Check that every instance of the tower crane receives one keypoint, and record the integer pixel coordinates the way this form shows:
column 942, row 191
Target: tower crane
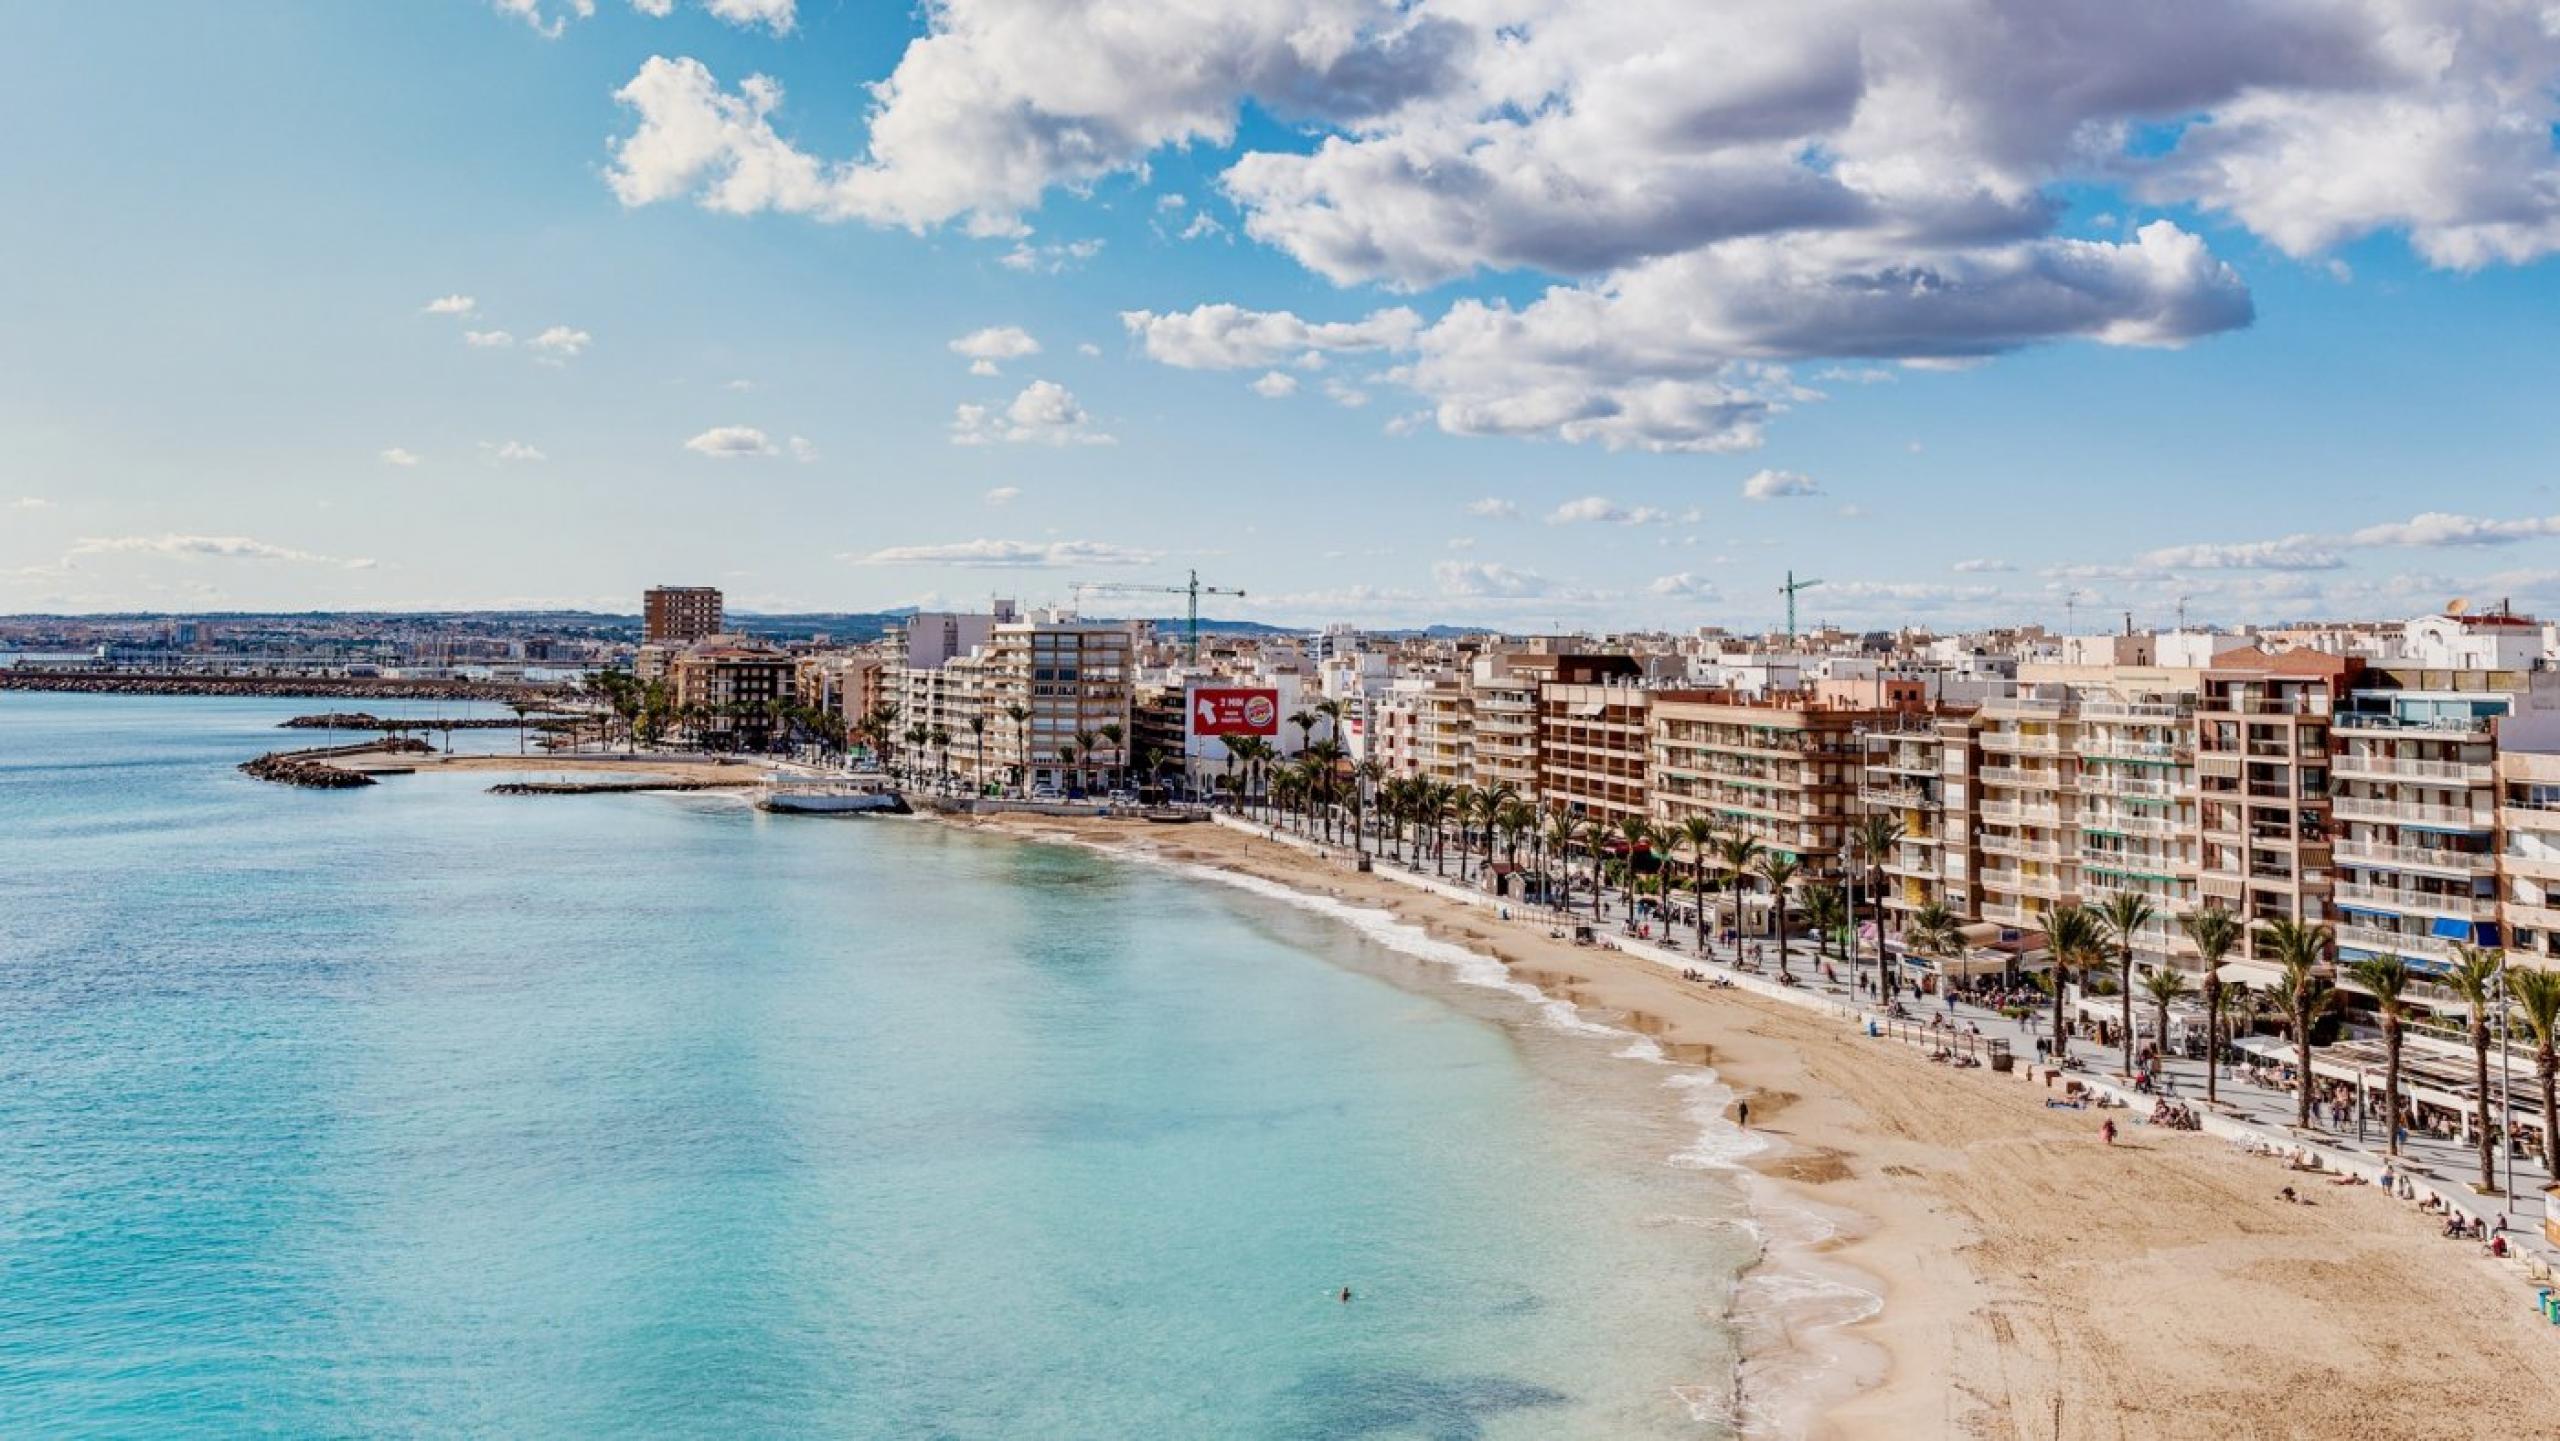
column 1789, row 591
column 1190, row 593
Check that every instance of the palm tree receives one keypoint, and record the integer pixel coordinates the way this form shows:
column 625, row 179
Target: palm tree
column 1738, row 853
column 978, row 744
column 2215, row 932
column 1020, row 715
column 1825, row 908
column 2537, row 996
column 2076, row 937
column 1701, row 836
column 1779, row 871
column 2387, row 978
column 940, row 740
column 2300, row 951
column 2474, row 979
column 2163, row 985
column 1872, row 837
column 1113, row 733
column 1638, row 834
column 1491, row 801
column 2125, row 914
column 1365, row 779
column 1305, row 721
column 1932, row 930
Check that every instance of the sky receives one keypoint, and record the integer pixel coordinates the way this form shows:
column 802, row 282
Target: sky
column 1545, row 314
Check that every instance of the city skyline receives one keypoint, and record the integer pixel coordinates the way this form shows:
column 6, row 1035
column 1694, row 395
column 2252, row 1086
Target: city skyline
column 1451, row 314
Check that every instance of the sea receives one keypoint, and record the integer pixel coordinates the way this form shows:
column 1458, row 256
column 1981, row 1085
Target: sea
column 419, row 1110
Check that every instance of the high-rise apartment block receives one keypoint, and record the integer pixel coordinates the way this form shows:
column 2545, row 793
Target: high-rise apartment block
column 679, row 614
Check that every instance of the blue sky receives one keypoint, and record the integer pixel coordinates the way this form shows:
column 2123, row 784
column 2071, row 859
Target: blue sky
column 228, row 224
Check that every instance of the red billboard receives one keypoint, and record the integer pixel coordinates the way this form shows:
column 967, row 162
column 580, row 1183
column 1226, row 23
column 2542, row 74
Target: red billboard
column 1232, row 711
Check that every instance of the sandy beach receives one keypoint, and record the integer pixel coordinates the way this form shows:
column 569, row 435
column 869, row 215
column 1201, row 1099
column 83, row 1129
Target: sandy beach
column 686, row 769
column 2035, row 1282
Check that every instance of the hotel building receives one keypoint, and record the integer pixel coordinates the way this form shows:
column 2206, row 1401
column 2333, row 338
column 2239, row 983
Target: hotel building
column 673, row 615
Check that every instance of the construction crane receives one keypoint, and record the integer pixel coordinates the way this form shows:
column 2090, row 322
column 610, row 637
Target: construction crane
column 1789, row 591
column 1190, row 593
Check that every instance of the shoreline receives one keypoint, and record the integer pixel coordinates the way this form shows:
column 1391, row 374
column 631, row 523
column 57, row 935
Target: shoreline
column 2030, row 1281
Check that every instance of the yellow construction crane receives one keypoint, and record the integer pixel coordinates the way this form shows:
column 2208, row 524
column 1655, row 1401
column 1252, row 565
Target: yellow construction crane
column 1190, row 593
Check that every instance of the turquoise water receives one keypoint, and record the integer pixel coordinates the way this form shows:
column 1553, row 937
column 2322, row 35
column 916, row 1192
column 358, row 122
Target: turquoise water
column 418, row 1110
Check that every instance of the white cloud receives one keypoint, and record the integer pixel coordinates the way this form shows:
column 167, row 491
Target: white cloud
column 1088, row 348
column 1856, row 375
column 1600, row 510
column 1685, row 585
column 1713, row 186
column 2440, row 528
column 1275, row 385
column 30, row 502
column 1203, row 226
column 1485, row 578
column 1013, row 554
column 987, row 369
column 449, row 305
column 1345, row 394
column 1049, row 259
column 1044, row 413
column 511, row 452
column 1003, row 495
column 655, row 9
column 1171, row 202
column 776, row 16
column 997, row 342
column 2294, row 552
column 1982, row 567
column 548, row 20
column 731, row 442
column 562, row 342
column 1228, row 337
column 741, row 385
column 803, row 449
column 1493, row 508
column 1462, row 542
column 194, row 547
column 488, row 339
column 397, row 456
column 1777, row 484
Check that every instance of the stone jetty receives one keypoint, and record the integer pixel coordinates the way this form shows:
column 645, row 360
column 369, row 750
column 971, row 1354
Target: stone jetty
column 317, row 687
column 311, row 770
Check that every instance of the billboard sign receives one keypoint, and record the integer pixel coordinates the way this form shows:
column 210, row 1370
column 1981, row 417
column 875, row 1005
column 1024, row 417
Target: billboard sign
column 1235, row 711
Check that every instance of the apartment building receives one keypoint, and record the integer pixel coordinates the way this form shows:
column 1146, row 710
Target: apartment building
column 1592, row 745
column 679, row 615
column 730, row 688
column 2263, row 784
column 1781, row 770
column 2135, row 809
column 1444, row 730
column 2027, row 807
column 1918, row 770
column 1073, row 677
column 1503, row 706
column 2528, row 859
column 2417, row 789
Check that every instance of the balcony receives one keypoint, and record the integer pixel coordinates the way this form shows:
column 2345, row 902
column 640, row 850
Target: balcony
column 2023, row 883
column 1912, row 796
column 2366, row 765
column 2105, row 783
column 2432, row 903
column 2368, row 722
column 2132, row 710
column 2021, row 776
column 2017, row 813
column 2131, row 825
column 2356, row 852
column 1993, row 845
column 2015, row 916
column 2020, row 744
column 2373, row 938
column 2114, row 749
column 2369, row 808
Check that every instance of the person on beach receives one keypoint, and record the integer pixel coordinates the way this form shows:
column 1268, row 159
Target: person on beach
column 2107, row 1130
column 1742, row 1114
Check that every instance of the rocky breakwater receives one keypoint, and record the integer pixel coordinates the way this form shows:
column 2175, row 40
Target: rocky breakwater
column 311, row 770
column 357, row 720
column 319, row 687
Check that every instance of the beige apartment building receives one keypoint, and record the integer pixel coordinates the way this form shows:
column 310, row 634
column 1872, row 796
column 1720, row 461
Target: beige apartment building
column 2528, row 859
column 2136, row 804
column 730, row 687
column 1072, row 677
column 1504, row 711
column 1781, row 770
column 2026, row 811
